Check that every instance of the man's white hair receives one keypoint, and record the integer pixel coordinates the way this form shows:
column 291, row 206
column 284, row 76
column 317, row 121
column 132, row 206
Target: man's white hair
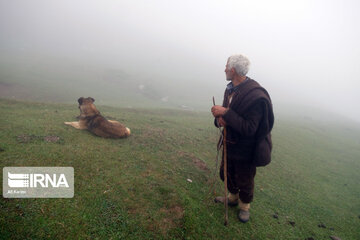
column 240, row 63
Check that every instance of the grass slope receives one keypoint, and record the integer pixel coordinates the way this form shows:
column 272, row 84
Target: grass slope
column 137, row 188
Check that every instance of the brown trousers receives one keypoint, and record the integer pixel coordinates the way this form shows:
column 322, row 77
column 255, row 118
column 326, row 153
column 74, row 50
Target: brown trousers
column 240, row 179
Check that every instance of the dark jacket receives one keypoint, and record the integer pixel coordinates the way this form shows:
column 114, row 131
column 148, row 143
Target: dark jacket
column 249, row 119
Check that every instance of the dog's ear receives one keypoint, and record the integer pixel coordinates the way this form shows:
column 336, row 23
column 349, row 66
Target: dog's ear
column 80, row 100
column 93, row 100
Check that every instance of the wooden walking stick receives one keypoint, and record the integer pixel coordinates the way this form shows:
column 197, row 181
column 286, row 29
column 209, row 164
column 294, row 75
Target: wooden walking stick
column 225, row 179
column 225, row 172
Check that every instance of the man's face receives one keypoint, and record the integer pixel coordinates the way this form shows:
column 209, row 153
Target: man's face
column 229, row 72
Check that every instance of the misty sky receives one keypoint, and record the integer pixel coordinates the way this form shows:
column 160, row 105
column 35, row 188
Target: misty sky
column 304, row 52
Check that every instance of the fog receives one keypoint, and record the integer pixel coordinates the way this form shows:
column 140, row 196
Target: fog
column 305, row 53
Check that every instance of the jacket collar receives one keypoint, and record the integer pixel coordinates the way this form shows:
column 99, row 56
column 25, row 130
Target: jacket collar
column 230, row 87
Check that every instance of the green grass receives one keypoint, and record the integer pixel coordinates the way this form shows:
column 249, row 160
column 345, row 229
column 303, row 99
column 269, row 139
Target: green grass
column 137, row 188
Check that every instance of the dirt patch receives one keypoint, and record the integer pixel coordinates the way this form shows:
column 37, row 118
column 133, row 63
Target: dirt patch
column 25, row 138
column 51, row 138
column 148, row 134
column 200, row 164
column 196, row 161
column 171, row 219
column 153, row 132
column 165, row 219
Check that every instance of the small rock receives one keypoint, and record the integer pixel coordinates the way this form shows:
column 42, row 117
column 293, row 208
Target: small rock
column 335, row 238
column 275, row 216
column 321, row 226
column 189, row 180
column 292, row 223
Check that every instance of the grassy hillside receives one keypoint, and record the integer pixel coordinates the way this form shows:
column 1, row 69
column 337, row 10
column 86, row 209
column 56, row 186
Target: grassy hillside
column 137, row 188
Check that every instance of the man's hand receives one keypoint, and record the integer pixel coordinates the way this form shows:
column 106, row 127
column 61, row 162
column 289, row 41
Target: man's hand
column 221, row 122
column 218, row 111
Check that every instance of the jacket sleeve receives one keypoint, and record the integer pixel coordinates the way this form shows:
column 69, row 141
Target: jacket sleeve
column 246, row 124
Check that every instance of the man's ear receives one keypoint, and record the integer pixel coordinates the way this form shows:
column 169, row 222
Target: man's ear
column 93, row 100
column 80, row 100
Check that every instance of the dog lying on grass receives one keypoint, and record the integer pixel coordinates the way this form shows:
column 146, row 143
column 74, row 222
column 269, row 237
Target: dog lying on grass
column 91, row 120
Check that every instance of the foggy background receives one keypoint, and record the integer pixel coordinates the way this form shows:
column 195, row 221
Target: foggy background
column 173, row 53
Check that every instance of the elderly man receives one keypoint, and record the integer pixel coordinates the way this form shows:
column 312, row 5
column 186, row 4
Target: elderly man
column 247, row 115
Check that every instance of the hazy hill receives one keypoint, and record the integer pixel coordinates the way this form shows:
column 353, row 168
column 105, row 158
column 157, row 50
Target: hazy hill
column 53, row 79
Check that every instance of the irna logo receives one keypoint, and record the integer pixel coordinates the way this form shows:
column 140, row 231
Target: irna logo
column 34, row 180
column 38, row 182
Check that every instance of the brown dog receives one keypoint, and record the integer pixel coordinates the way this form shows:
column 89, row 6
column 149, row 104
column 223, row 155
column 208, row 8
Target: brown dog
column 91, row 120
